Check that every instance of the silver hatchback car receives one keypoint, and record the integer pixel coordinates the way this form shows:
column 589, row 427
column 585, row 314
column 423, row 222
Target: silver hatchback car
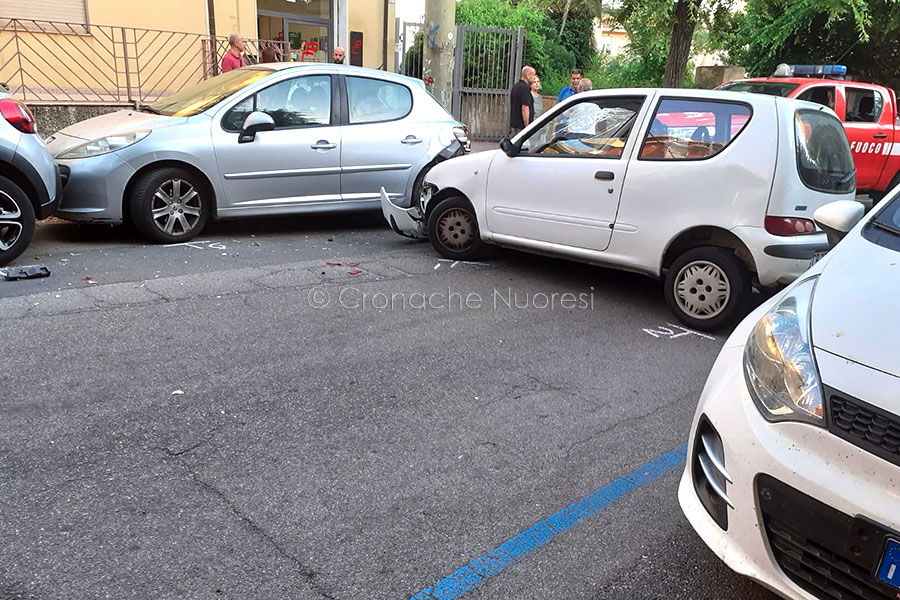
column 265, row 140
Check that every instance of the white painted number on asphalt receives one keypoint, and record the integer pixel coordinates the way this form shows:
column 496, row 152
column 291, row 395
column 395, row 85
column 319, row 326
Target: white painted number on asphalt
column 204, row 245
column 675, row 331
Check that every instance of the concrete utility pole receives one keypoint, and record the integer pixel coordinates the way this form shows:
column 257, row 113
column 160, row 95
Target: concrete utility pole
column 439, row 49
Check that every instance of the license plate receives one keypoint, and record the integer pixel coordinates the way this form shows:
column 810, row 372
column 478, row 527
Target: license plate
column 889, row 570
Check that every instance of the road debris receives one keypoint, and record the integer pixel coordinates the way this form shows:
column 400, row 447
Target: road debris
column 29, row 272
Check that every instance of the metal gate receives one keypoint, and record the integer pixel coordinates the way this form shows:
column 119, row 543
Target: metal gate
column 408, row 57
column 488, row 63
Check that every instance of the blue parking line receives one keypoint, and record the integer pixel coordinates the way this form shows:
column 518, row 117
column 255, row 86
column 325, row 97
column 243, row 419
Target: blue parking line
column 466, row 578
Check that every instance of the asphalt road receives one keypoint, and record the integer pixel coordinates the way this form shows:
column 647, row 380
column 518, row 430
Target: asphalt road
column 237, row 418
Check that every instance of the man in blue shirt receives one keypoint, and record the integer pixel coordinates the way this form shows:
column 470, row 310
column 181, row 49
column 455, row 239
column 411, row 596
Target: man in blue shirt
column 572, row 89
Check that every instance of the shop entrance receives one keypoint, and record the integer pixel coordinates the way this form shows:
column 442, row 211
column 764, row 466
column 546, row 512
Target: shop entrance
column 305, row 26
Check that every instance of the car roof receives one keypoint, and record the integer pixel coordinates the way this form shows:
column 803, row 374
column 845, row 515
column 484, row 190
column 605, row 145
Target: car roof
column 672, row 93
column 283, row 67
column 806, row 81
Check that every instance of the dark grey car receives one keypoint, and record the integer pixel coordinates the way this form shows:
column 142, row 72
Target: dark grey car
column 265, row 140
column 29, row 181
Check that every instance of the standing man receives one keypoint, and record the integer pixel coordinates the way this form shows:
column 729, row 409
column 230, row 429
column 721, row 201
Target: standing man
column 585, row 85
column 572, row 88
column 234, row 57
column 521, row 102
column 338, row 55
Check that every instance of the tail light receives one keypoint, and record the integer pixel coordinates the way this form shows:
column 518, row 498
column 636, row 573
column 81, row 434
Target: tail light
column 462, row 136
column 789, row 226
column 18, row 115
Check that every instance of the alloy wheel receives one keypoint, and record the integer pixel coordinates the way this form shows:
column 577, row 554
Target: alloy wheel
column 456, row 229
column 176, row 207
column 702, row 289
column 10, row 222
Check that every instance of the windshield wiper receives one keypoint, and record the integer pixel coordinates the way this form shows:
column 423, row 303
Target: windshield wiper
column 846, row 178
column 886, row 227
column 149, row 109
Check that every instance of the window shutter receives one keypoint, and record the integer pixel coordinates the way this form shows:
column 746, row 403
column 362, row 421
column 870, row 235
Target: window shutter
column 69, row 11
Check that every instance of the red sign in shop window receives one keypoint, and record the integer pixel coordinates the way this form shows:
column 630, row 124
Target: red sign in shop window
column 356, row 48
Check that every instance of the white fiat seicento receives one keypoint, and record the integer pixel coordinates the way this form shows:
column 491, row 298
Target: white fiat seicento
column 793, row 471
column 712, row 190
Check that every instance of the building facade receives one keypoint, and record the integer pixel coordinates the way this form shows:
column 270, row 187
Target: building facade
column 124, row 51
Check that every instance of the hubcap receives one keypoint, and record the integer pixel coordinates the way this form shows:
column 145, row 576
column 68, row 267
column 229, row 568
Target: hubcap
column 10, row 222
column 702, row 289
column 456, row 229
column 176, row 207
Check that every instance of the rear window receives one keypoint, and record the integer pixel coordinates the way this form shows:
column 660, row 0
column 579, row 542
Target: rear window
column 823, row 153
column 770, row 88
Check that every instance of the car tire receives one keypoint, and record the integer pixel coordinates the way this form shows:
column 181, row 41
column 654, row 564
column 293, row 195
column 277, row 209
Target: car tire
column 170, row 205
column 708, row 288
column 17, row 221
column 453, row 229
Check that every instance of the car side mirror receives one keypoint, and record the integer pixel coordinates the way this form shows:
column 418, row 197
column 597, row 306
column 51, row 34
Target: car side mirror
column 508, row 147
column 254, row 123
column 836, row 219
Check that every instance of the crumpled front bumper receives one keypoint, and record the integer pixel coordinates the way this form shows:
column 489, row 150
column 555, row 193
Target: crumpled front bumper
column 408, row 222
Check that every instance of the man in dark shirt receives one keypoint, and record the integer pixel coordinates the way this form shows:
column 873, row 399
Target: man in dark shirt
column 521, row 102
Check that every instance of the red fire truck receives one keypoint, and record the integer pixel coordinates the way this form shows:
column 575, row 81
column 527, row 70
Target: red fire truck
column 868, row 111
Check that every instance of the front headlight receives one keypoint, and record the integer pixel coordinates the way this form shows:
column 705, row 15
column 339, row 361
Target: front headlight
column 778, row 361
column 105, row 145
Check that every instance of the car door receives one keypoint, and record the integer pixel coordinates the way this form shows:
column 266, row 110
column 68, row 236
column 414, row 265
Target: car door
column 382, row 142
column 295, row 165
column 563, row 185
column 869, row 131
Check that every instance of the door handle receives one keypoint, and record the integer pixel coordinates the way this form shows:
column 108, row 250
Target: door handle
column 879, row 136
column 323, row 145
column 605, row 175
column 411, row 140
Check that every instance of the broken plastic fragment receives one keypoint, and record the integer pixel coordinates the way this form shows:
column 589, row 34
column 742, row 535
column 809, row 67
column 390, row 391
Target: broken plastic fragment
column 354, row 272
column 333, row 264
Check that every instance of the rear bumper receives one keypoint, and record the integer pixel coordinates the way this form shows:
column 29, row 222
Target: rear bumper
column 780, row 260
column 52, row 205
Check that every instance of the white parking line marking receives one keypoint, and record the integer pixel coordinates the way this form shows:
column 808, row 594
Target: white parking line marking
column 671, row 334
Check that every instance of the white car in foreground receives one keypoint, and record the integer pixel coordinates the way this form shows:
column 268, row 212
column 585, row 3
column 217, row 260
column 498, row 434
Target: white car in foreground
column 793, row 471
column 712, row 190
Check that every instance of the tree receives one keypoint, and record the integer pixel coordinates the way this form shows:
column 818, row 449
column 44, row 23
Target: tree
column 681, row 41
column 862, row 34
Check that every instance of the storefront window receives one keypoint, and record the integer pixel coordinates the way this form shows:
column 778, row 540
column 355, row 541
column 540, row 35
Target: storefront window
column 317, row 9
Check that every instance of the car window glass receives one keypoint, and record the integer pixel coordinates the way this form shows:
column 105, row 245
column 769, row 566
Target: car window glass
column 823, row 154
column 195, row 99
column 373, row 100
column 693, row 129
column 597, row 127
column 234, row 118
column 822, row 94
column 297, row 102
column 863, row 106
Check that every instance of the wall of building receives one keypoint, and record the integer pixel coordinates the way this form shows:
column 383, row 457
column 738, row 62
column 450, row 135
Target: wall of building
column 167, row 15
column 367, row 16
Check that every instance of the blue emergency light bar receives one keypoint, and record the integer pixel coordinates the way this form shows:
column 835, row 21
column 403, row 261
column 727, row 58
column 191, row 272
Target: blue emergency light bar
column 824, row 71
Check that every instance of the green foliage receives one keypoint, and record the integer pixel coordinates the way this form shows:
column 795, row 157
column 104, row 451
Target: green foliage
column 863, row 34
